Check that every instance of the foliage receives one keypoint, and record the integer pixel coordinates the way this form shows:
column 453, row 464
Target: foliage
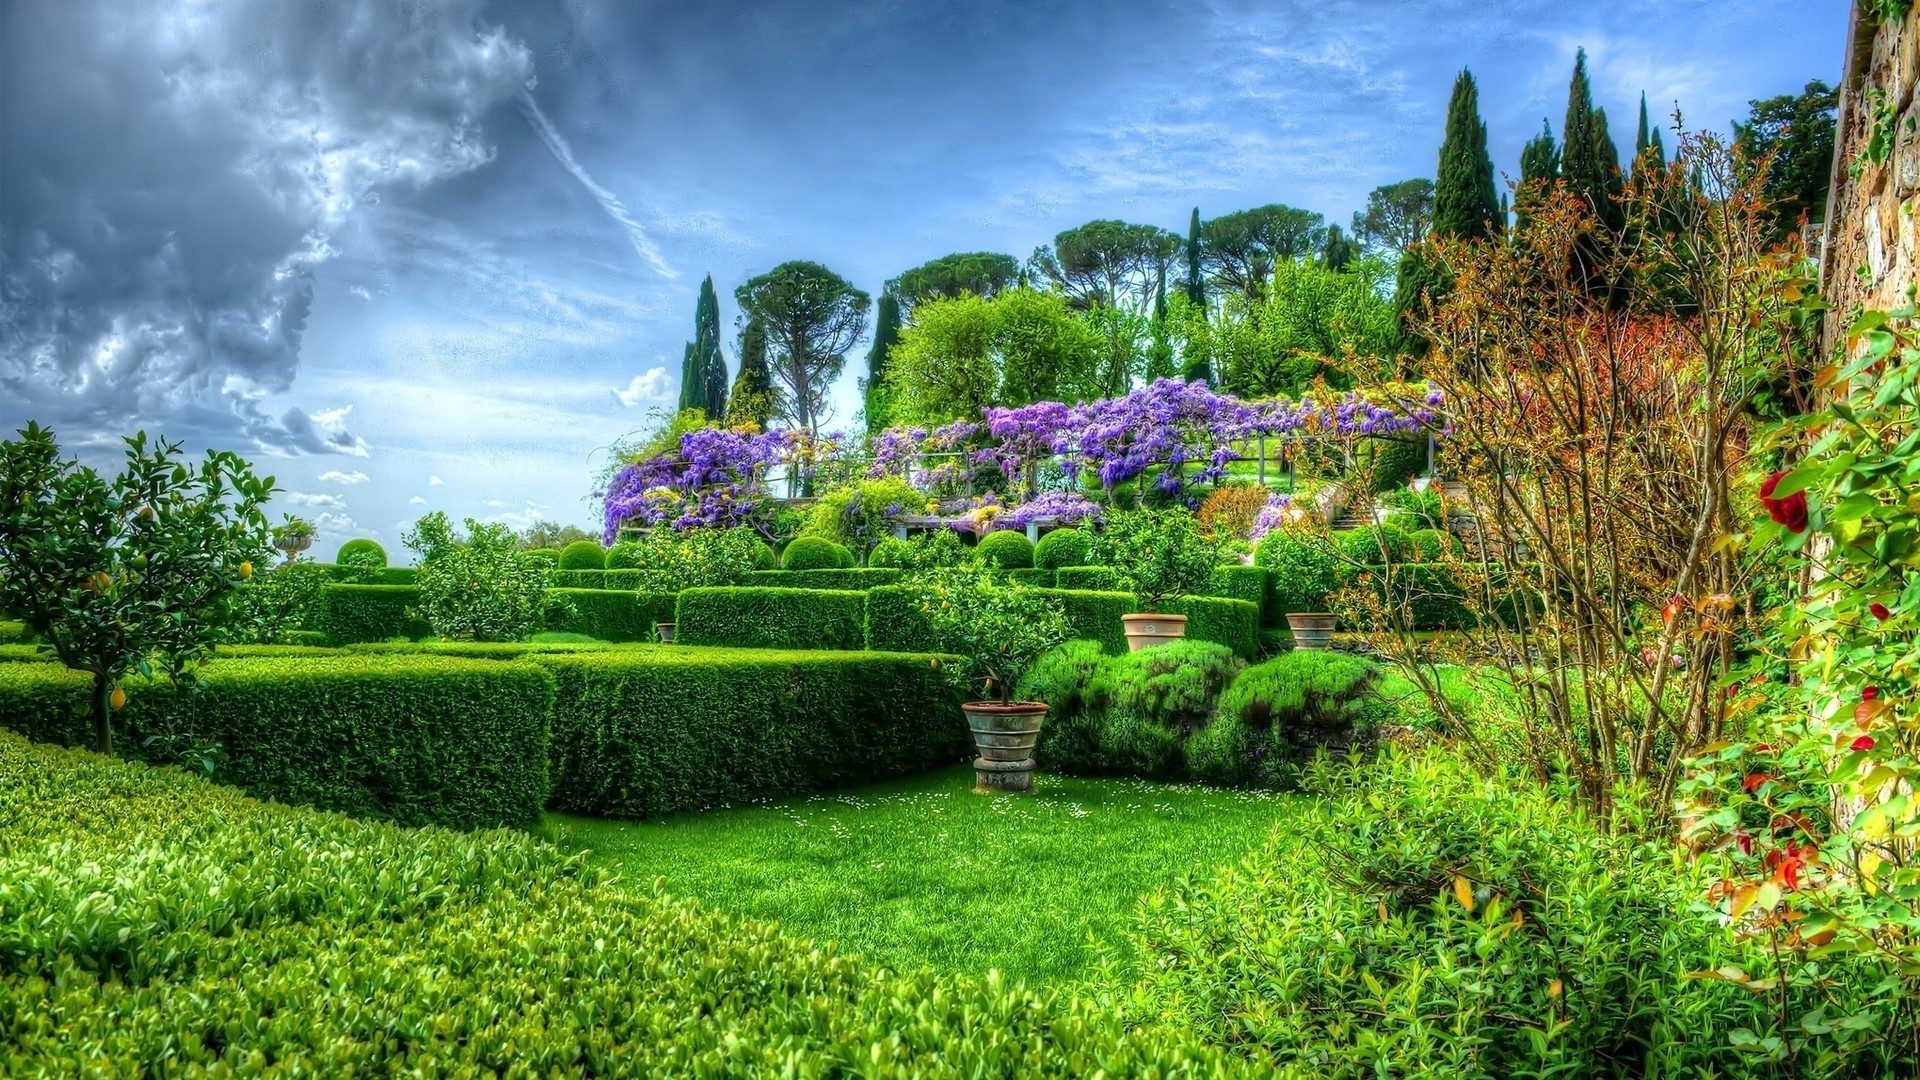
column 417, row 740
column 1159, row 555
column 755, row 400
column 1004, row 550
column 703, row 374
column 1061, row 548
column 1302, row 569
column 759, row 617
column 715, row 479
column 1230, row 511
column 1293, row 338
column 812, row 316
column 1436, row 545
column 277, row 603
column 998, row 630
column 931, row 550
column 969, row 352
column 876, row 389
column 1105, row 263
column 1396, row 217
column 547, row 558
column 1392, row 462
column 1415, row 510
column 351, row 613
column 361, row 553
column 613, row 615
column 856, row 579
column 1243, row 249
column 476, row 587
column 1791, row 138
column 1539, row 170
column 549, row 534
column 862, row 514
column 978, row 273
column 815, row 553
column 583, row 555
column 137, row 573
column 1377, row 545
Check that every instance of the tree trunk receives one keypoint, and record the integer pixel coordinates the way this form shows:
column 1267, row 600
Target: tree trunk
column 102, row 714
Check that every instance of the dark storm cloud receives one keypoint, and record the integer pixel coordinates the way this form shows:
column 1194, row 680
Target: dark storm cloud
column 170, row 174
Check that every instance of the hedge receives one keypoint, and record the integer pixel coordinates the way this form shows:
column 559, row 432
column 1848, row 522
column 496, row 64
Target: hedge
column 613, row 616
column 13, row 632
column 1233, row 623
column 893, row 625
column 378, row 575
column 1005, row 550
column 1247, row 583
column 487, row 650
column 355, row 613
column 167, row 927
column 375, row 554
column 1096, row 578
column 861, row 579
column 756, row 617
column 629, row 580
column 815, row 553
column 413, row 739
column 583, row 555
column 683, row 728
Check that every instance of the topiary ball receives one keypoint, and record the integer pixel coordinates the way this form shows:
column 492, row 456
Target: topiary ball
column 892, row 552
column 764, row 557
column 547, row 557
column 362, row 553
column 1062, row 548
column 583, row 555
column 815, row 553
column 624, row 555
column 1005, row 550
column 1432, row 545
column 1376, row 545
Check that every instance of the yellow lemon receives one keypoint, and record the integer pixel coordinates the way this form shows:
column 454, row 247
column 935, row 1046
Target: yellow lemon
column 118, row 699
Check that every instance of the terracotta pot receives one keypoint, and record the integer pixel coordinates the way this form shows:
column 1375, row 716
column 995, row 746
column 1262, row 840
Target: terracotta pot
column 1004, row 733
column 1311, row 629
column 664, row 631
column 1146, row 629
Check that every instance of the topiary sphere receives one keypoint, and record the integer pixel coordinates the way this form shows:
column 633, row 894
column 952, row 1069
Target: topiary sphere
column 764, row 557
column 1366, row 546
column 624, row 555
column 547, row 557
column 815, row 553
column 583, row 555
column 1005, row 550
column 1061, row 548
column 361, row 552
column 1432, row 545
column 892, row 552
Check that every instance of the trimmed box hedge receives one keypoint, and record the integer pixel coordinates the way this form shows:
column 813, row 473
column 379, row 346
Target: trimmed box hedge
column 1247, row 583
column 483, row 650
column 1088, row 578
column 630, row 580
column 859, row 579
column 893, row 625
column 752, row 617
column 376, row 575
column 642, row 734
column 414, row 739
column 354, row 613
column 1229, row 622
column 613, row 615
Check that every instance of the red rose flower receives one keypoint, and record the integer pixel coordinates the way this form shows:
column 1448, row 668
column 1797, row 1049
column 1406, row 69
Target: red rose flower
column 1871, row 693
column 1790, row 511
column 1879, row 611
column 1864, row 742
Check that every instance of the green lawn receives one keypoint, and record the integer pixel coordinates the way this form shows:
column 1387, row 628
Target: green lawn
column 925, row 871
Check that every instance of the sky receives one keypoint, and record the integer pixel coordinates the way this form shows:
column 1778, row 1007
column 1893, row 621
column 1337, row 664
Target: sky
column 414, row 255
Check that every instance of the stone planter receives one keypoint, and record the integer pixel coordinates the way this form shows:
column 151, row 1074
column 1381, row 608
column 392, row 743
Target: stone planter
column 663, row 631
column 1311, row 629
column 292, row 546
column 1147, row 629
column 1004, row 734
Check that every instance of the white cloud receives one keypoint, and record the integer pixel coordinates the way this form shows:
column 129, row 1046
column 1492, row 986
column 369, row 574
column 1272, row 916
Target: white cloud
column 435, row 481
column 417, row 501
column 317, row 500
column 335, row 476
column 649, row 387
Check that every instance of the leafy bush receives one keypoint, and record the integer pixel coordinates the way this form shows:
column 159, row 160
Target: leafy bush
column 582, row 555
column 934, row 549
column 683, row 728
column 764, row 557
column 1062, row 548
column 176, row 928
column 1280, row 712
column 548, row 558
column 1230, row 511
column 371, row 575
column 1394, row 462
column 613, row 615
column 1005, row 550
column 1375, row 545
column 276, row 603
column 1435, row 923
column 1415, row 510
column 1129, row 714
column 1434, row 545
column 860, row 578
column 361, row 554
column 1302, row 573
column 349, row 614
column 1159, row 554
column 999, row 631
column 625, row 555
column 477, row 588
column 815, row 553
column 671, row 560
column 861, row 515
column 771, row 618
column 413, row 739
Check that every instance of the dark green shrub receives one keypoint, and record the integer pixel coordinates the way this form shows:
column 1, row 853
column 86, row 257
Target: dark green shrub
column 932, row 550
column 248, row 932
column 1233, row 623
column 1415, row 510
column 361, row 554
column 613, row 615
column 355, row 613
column 1394, row 462
column 1302, row 573
column 488, row 650
column 1374, row 545
column 625, row 555
column 856, row 579
column 1160, row 554
column 547, row 557
column 636, row 735
column 891, row 553
column 1095, row 578
column 859, row 515
column 764, row 557
column 815, row 553
column 1031, row 577
column 767, row 618
column 583, row 555
column 1427, row 595
column 1235, row 582
column 276, row 603
column 895, row 625
column 1279, row 712
column 671, row 560
column 13, row 632
column 414, row 739
column 1005, row 550
column 1062, row 548
column 1125, row 715
column 1434, row 545
column 624, row 580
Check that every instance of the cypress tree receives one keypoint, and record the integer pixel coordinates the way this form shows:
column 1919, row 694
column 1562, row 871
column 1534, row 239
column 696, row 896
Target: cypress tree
column 709, row 365
column 693, row 381
column 886, row 333
column 753, row 388
column 1580, row 164
column 1196, row 285
column 1612, row 181
column 1160, row 347
column 1647, row 142
column 1464, row 203
column 1539, row 169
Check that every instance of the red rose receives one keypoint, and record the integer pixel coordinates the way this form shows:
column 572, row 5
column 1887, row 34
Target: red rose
column 1879, row 611
column 1871, row 693
column 1864, row 742
column 1790, row 511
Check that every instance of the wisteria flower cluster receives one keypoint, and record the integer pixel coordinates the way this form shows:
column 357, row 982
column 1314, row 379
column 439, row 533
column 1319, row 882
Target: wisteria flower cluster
column 1066, row 508
column 1271, row 516
column 717, row 480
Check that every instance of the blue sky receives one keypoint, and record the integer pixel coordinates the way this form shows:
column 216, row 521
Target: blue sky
column 439, row 255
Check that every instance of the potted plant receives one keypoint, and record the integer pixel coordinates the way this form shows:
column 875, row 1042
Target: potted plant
column 1158, row 555
column 293, row 536
column 664, row 631
column 999, row 631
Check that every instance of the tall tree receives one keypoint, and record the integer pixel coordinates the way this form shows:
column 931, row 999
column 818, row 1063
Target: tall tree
column 1196, row 263
column 1160, row 346
column 1338, row 252
column 1396, row 216
column 1794, row 132
column 1103, row 263
column 1243, row 247
column 982, row 273
column 813, row 316
column 1539, row 169
column 1613, row 180
column 1465, row 205
column 1648, row 149
column 754, row 399
column 1582, row 165
column 703, row 371
column 874, row 390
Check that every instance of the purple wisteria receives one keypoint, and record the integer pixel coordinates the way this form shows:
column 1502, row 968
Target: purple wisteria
column 1066, row 508
column 718, row 479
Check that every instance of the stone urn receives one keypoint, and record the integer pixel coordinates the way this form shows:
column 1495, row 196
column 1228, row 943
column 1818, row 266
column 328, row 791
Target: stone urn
column 1311, row 629
column 1004, row 733
column 292, row 546
column 1148, row 629
column 663, row 631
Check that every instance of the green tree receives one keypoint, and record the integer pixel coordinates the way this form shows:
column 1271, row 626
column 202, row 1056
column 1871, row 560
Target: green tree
column 1103, row 263
column 1465, row 205
column 812, row 317
column 1121, row 354
column 1582, row 164
column 874, row 391
column 1196, row 263
column 1539, row 170
column 1794, row 133
column 982, row 273
column 1339, row 252
column 1315, row 316
column 1649, row 150
column 477, row 587
column 1396, row 216
column 1043, row 352
column 754, row 399
column 1242, row 248
column 944, row 366
column 138, row 573
column 703, row 371
column 1160, row 347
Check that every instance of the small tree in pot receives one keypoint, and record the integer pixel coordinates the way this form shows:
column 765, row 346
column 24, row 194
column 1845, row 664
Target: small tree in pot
column 1000, row 631
column 1158, row 555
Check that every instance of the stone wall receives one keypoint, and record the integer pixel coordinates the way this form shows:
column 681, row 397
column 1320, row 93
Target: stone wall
column 1873, row 219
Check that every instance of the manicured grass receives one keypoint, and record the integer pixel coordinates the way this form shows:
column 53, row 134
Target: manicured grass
column 925, row 871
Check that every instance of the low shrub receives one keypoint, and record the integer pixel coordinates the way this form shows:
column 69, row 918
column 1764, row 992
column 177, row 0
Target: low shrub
column 1374, row 545
column 583, row 555
column 1433, row 545
column 754, row 617
column 1159, row 554
column 860, row 515
column 683, row 728
column 361, row 554
column 815, row 553
column 857, row 579
column 1394, row 462
column 627, row 580
column 488, row 650
column 355, row 613
column 476, row 587
column 1228, row 513
column 1427, row 595
column 625, row 555
column 1031, row 577
column 14, row 632
column 1062, row 548
column 1415, row 510
column 275, row 604
column 162, row 926
column 1005, row 550
column 1302, row 573
column 670, row 560
column 935, row 549
column 1096, row 578
column 547, row 557
column 420, row 740
column 764, row 557
column 1281, row 712
column 613, row 615
column 1130, row 714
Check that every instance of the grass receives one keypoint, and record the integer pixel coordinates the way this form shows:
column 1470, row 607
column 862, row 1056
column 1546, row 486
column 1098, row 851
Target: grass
column 926, row 872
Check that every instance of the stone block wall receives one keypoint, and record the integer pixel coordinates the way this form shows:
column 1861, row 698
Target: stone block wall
column 1872, row 250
